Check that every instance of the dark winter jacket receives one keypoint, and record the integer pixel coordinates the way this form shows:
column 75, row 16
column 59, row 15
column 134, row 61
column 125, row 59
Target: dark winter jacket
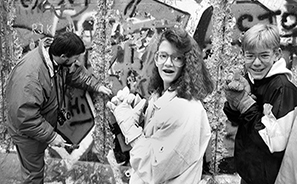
column 263, row 130
column 32, row 100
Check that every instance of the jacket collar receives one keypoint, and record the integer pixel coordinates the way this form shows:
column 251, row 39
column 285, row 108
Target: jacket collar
column 43, row 49
column 164, row 99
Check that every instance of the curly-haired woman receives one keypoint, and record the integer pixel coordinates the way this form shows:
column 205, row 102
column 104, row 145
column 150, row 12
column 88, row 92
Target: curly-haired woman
column 170, row 147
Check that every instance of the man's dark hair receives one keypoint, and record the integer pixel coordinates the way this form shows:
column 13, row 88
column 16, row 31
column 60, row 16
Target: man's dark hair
column 67, row 43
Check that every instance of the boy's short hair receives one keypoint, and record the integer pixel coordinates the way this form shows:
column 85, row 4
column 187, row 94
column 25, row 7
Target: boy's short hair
column 67, row 43
column 261, row 36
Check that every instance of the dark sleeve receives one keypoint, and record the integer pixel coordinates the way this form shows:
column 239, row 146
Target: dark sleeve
column 269, row 125
column 278, row 115
column 251, row 118
column 233, row 116
column 79, row 77
column 250, row 122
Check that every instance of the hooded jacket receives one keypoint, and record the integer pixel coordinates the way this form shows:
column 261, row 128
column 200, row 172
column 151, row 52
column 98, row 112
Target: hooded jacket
column 263, row 130
column 31, row 96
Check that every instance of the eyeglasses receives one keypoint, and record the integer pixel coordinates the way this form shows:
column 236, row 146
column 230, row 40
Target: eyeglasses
column 161, row 58
column 251, row 57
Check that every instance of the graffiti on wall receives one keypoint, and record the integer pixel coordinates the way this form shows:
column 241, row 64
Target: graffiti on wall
column 249, row 13
column 133, row 27
column 79, row 115
column 284, row 16
column 254, row 12
column 135, row 23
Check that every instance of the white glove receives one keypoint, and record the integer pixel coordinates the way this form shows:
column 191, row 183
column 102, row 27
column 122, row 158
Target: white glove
column 127, row 116
column 121, row 95
column 58, row 141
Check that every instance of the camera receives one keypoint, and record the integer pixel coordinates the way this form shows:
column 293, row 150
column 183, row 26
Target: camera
column 63, row 116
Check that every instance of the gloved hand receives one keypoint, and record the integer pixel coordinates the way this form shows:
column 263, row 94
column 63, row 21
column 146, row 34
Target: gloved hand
column 116, row 100
column 237, row 92
column 123, row 94
column 127, row 116
column 104, row 90
column 58, row 141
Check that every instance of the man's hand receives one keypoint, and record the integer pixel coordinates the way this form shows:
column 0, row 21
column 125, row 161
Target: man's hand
column 104, row 90
column 237, row 92
column 58, row 141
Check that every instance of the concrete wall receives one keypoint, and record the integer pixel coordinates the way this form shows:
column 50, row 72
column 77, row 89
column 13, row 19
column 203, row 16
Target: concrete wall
column 135, row 23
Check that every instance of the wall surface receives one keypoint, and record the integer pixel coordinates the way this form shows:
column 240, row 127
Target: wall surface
column 135, row 23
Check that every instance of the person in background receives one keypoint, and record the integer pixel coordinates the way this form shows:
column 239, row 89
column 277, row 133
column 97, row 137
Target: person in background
column 263, row 105
column 34, row 97
column 170, row 146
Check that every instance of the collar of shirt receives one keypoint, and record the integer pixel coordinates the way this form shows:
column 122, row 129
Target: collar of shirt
column 55, row 63
column 164, row 99
column 48, row 61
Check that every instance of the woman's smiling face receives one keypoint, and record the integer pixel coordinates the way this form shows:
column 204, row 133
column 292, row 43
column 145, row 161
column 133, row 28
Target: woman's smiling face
column 169, row 70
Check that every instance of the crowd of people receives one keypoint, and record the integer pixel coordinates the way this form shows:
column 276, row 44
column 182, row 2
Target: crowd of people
column 169, row 132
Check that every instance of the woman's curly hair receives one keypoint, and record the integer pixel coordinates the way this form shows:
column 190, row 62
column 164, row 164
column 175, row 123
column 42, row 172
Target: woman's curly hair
column 194, row 80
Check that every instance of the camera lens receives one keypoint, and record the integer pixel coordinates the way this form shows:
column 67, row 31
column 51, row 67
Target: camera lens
column 67, row 115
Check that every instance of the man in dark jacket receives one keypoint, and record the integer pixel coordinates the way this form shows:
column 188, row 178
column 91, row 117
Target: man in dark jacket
column 34, row 96
column 263, row 105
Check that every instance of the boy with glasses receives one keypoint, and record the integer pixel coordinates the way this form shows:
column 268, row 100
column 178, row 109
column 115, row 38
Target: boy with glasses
column 264, row 106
